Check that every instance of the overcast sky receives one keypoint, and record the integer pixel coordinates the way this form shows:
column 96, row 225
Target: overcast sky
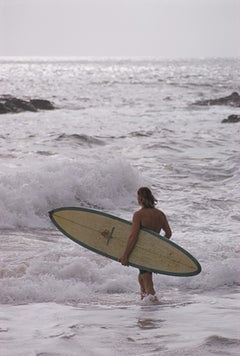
column 159, row 28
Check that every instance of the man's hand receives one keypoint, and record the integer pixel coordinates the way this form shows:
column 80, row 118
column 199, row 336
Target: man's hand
column 123, row 260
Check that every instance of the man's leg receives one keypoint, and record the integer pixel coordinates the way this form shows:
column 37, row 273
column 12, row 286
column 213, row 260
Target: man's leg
column 142, row 289
column 148, row 283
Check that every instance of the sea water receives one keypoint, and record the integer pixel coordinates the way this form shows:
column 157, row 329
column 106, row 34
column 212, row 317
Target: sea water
column 119, row 124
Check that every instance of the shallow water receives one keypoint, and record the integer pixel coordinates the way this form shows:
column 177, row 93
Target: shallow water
column 199, row 325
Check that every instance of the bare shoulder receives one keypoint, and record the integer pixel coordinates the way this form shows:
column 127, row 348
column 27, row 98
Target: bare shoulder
column 159, row 212
column 149, row 211
column 137, row 215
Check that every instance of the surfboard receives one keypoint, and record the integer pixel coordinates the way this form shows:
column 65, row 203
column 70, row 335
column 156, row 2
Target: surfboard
column 107, row 235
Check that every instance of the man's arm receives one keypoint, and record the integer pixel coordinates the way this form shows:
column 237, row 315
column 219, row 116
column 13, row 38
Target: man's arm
column 136, row 224
column 166, row 228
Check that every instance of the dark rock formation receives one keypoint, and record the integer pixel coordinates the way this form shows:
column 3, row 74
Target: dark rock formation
column 10, row 104
column 231, row 100
column 18, row 105
column 42, row 104
column 232, row 119
column 3, row 109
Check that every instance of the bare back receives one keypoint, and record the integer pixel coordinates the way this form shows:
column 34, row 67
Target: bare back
column 154, row 219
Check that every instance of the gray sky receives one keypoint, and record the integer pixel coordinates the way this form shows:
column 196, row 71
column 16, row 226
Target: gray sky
column 159, row 28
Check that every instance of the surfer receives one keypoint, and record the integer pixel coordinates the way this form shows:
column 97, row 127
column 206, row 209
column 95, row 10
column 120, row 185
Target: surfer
column 154, row 219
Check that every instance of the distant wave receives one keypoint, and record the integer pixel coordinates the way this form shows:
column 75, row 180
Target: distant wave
column 142, row 133
column 81, row 139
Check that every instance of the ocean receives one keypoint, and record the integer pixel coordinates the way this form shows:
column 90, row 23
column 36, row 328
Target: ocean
column 118, row 124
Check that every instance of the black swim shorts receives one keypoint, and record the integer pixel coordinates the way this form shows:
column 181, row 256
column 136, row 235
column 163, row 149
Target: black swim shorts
column 142, row 271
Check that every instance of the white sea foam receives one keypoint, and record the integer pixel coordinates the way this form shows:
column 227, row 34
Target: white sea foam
column 46, row 266
column 42, row 187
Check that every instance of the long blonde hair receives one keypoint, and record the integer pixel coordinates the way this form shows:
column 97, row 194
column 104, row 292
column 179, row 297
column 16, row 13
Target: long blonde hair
column 146, row 197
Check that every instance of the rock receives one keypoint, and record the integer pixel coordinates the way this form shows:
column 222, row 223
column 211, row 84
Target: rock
column 18, row 105
column 232, row 119
column 3, row 109
column 231, row 100
column 10, row 104
column 42, row 104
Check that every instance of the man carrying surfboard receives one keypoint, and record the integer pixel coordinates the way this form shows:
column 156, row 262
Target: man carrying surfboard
column 154, row 219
